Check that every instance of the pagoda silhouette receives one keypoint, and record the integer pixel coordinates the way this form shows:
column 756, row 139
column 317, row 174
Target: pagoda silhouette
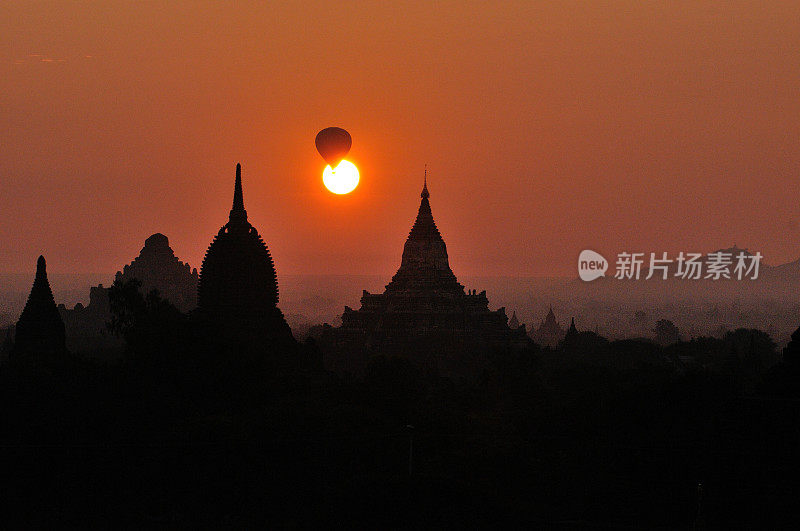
column 40, row 330
column 424, row 313
column 158, row 268
column 549, row 333
column 238, row 288
column 155, row 268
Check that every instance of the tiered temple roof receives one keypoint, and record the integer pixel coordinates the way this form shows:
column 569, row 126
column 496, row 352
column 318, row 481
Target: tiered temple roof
column 158, row 268
column 40, row 329
column 424, row 307
column 424, row 266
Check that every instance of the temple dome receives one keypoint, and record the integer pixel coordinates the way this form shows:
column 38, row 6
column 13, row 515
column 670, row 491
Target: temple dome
column 157, row 243
column 237, row 278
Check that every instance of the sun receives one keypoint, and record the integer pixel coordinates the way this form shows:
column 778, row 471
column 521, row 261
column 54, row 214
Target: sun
column 343, row 179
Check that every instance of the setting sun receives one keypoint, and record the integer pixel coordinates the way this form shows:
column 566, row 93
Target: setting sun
column 343, row 179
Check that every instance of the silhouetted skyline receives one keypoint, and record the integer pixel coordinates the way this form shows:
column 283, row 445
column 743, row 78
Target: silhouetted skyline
column 604, row 341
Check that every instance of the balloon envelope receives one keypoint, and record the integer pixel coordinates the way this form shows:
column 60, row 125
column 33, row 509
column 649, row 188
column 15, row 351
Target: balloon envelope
column 333, row 143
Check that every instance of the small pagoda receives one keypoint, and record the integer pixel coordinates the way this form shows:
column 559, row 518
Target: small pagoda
column 40, row 330
column 549, row 333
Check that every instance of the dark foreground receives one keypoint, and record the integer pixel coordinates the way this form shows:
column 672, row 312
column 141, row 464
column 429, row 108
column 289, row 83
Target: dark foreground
column 612, row 436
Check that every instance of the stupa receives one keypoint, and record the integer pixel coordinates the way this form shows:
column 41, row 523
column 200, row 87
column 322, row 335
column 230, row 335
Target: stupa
column 238, row 286
column 40, row 330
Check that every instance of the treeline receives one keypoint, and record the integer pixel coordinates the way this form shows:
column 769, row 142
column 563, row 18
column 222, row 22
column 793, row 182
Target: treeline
column 193, row 428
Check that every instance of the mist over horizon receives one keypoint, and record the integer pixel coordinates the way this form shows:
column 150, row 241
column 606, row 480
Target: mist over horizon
column 608, row 306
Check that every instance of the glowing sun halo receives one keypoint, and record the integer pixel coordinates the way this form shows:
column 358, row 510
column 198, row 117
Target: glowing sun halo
column 343, row 179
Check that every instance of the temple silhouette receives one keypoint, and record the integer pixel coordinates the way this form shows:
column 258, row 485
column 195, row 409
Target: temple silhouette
column 158, row 268
column 424, row 313
column 238, row 287
column 549, row 333
column 216, row 417
column 40, row 330
column 155, row 268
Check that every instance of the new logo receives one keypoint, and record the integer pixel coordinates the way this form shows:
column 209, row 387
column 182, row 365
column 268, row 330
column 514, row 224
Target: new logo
column 591, row 265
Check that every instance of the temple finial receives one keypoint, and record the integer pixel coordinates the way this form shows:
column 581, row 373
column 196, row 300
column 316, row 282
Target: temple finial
column 238, row 197
column 238, row 213
column 425, row 194
column 41, row 266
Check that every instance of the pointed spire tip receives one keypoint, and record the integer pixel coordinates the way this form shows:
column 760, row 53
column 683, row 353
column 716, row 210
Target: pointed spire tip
column 425, row 194
column 238, row 212
column 238, row 196
column 41, row 267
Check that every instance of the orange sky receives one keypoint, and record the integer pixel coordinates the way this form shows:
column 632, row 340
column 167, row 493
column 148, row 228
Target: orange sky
column 547, row 128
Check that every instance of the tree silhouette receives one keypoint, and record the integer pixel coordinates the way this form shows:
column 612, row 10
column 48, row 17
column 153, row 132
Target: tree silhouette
column 146, row 322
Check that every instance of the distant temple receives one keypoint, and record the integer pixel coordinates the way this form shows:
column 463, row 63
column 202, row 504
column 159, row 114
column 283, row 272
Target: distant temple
column 40, row 330
column 572, row 330
column 158, row 268
column 581, row 341
column 549, row 333
column 238, row 286
column 424, row 312
column 86, row 325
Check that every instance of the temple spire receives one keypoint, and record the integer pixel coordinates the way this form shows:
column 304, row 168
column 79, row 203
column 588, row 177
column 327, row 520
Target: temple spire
column 40, row 329
column 41, row 269
column 425, row 259
column 238, row 197
column 425, row 194
column 238, row 213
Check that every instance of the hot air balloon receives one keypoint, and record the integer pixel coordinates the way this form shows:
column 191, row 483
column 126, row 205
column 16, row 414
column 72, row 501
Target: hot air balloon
column 333, row 143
